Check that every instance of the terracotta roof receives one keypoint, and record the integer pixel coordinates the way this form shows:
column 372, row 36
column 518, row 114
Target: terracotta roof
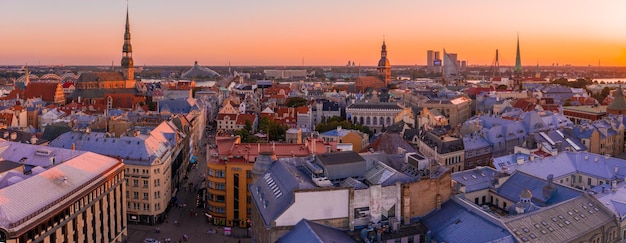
column 45, row 90
column 17, row 108
column 242, row 118
column 13, row 94
column 222, row 116
column 302, row 109
column 368, row 81
column 67, row 84
column 6, row 118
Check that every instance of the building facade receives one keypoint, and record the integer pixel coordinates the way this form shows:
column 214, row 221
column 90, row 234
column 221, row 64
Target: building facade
column 155, row 166
column 373, row 115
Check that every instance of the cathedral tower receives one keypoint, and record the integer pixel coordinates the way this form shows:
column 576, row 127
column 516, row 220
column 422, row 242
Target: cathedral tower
column 128, row 69
column 384, row 68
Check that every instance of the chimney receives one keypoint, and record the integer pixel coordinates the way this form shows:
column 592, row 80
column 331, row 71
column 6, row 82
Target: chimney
column 327, row 149
column 338, row 129
column 13, row 136
column 6, row 134
column 33, row 140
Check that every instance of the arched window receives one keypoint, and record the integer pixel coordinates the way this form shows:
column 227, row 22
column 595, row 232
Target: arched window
column 361, row 120
column 388, row 121
column 367, row 121
column 374, row 121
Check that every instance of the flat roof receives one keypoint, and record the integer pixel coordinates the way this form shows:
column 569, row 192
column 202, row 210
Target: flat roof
column 337, row 158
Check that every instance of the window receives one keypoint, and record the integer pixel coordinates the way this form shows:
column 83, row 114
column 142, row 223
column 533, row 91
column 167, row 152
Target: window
column 145, row 183
column 145, row 196
column 220, row 173
column 135, row 183
column 220, row 186
column 589, row 181
column 220, row 198
column 157, row 182
column 135, row 195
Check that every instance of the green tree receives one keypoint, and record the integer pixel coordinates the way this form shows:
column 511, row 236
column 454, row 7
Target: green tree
column 296, row 102
column 276, row 130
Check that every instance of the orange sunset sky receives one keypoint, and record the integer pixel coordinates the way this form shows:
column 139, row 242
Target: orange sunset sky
column 321, row 32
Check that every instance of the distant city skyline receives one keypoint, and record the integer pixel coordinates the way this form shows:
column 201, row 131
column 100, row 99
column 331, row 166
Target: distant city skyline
column 72, row 32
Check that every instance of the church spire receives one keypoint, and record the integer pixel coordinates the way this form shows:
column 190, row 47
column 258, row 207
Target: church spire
column 518, row 60
column 383, row 51
column 128, row 69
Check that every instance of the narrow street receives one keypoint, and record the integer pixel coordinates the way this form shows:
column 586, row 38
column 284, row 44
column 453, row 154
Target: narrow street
column 187, row 219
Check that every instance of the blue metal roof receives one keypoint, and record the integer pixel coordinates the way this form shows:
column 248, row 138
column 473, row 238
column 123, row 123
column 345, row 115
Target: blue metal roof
column 476, row 179
column 455, row 223
column 519, row 181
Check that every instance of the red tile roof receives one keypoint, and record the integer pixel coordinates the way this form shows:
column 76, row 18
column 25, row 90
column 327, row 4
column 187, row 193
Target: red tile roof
column 6, row 118
column 43, row 90
column 242, row 118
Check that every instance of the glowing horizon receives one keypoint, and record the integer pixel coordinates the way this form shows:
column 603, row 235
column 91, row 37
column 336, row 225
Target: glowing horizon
column 323, row 33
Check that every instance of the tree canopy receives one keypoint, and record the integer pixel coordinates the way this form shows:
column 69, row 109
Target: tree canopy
column 276, row 130
column 296, row 102
column 336, row 121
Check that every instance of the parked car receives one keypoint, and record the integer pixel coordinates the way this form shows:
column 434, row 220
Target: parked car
column 150, row 240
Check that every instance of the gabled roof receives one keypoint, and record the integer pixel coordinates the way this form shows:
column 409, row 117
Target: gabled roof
column 43, row 90
column 142, row 149
column 273, row 192
column 307, row 231
column 242, row 118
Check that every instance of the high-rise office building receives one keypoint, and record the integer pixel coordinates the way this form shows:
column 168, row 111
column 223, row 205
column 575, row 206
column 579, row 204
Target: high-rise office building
column 450, row 66
column 430, row 60
column 437, row 63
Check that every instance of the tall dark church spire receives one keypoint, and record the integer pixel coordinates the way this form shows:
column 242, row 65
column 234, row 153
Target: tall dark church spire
column 127, row 54
column 518, row 59
column 517, row 70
